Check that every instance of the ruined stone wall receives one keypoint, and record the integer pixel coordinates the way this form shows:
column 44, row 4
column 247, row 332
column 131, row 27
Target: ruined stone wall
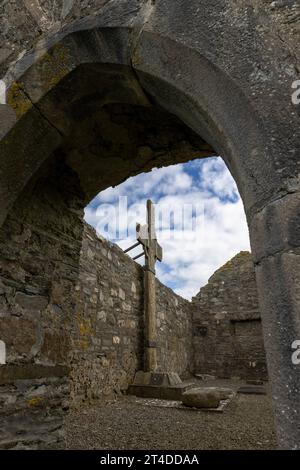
column 108, row 336
column 71, row 313
column 202, row 60
column 24, row 22
column 39, row 259
column 228, row 338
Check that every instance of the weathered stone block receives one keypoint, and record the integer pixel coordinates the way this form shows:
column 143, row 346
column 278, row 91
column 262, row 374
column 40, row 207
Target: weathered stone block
column 31, row 302
column 19, row 336
column 201, row 398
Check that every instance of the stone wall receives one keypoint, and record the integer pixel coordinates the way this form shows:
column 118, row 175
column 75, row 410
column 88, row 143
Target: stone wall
column 23, row 22
column 203, row 61
column 71, row 313
column 108, row 338
column 227, row 327
column 39, row 259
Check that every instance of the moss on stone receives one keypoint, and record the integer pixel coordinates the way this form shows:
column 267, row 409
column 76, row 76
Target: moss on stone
column 242, row 256
column 17, row 99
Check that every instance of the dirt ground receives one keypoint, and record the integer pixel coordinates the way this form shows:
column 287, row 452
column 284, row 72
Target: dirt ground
column 134, row 423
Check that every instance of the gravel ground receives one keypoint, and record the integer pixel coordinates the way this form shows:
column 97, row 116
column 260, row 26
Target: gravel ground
column 135, row 423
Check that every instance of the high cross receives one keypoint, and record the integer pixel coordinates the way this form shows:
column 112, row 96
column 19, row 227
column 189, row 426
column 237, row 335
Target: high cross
column 146, row 236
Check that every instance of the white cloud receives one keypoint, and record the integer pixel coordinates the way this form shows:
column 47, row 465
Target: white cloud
column 169, row 180
column 187, row 265
column 224, row 234
column 216, row 177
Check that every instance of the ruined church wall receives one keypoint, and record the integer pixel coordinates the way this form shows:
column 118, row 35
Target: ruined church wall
column 71, row 313
column 228, row 339
column 39, row 260
column 108, row 338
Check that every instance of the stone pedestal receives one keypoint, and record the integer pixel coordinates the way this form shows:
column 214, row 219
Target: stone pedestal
column 166, row 386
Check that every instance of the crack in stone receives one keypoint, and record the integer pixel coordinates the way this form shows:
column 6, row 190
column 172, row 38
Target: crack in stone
column 138, row 31
column 36, row 107
column 294, row 251
column 273, row 200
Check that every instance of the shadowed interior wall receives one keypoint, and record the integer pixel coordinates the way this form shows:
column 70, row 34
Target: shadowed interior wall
column 40, row 247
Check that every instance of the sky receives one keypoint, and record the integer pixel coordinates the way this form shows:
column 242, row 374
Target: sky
column 200, row 219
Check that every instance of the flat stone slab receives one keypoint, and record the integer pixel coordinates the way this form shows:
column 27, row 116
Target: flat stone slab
column 205, row 377
column 160, row 392
column 253, row 390
column 255, row 382
column 162, row 379
column 178, row 405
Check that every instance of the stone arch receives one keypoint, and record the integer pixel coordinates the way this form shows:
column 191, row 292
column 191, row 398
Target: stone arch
column 168, row 78
column 202, row 99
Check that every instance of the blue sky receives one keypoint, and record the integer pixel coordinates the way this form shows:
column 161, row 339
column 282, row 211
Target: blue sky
column 214, row 222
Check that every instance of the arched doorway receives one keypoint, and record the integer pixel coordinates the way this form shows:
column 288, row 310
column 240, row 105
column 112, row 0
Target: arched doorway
column 89, row 104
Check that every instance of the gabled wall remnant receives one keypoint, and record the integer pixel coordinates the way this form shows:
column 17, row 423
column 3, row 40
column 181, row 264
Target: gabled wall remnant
column 227, row 327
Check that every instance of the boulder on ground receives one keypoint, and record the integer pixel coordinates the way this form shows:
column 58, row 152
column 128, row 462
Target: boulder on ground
column 201, row 398
column 224, row 392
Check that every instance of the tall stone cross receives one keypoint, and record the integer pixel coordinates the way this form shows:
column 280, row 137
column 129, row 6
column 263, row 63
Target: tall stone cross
column 153, row 252
column 147, row 382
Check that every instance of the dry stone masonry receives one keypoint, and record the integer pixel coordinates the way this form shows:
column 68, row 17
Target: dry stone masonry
column 228, row 340
column 39, row 266
column 108, row 341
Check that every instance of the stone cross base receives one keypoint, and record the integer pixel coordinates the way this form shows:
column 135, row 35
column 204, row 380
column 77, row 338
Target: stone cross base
column 162, row 385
